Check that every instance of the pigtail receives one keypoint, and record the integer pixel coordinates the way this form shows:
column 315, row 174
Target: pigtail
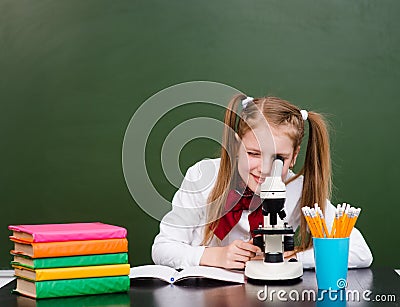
column 229, row 149
column 317, row 183
column 229, row 142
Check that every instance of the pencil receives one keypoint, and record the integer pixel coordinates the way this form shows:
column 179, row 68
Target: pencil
column 343, row 223
column 308, row 219
column 323, row 222
column 315, row 220
column 343, row 220
column 348, row 220
column 353, row 222
column 335, row 221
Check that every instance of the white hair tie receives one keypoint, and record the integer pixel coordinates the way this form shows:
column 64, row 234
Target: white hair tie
column 304, row 114
column 246, row 101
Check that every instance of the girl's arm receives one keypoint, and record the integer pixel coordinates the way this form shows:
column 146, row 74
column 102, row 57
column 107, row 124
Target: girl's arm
column 181, row 230
column 232, row 256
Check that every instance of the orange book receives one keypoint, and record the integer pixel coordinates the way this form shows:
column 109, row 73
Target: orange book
column 69, row 248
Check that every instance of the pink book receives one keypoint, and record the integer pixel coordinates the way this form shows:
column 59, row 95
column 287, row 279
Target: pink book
column 66, row 232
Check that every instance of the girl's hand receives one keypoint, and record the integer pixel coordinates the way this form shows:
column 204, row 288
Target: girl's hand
column 232, row 256
column 289, row 255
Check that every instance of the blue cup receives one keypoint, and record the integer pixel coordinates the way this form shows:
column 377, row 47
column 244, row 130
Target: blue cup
column 331, row 260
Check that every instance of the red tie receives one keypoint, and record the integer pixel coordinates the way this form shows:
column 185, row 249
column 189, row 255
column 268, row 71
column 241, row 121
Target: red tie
column 234, row 206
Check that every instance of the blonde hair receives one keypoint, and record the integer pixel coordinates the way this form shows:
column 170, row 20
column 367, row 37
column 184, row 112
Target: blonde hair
column 278, row 112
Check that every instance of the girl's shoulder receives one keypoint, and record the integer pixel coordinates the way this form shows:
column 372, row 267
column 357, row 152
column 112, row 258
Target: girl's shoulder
column 297, row 181
column 203, row 167
column 295, row 185
column 201, row 176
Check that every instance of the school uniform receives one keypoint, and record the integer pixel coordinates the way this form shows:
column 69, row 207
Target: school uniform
column 178, row 244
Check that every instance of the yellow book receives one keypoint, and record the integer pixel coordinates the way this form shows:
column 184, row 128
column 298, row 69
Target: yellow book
column 72, row 272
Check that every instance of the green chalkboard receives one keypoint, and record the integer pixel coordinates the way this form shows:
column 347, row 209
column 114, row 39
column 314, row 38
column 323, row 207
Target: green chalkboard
column 73, row 73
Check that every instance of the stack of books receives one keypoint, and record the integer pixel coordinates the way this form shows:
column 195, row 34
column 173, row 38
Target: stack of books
column 53, row 260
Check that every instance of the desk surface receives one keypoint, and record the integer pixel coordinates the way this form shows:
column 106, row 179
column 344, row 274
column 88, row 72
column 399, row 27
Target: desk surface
column 375, row 284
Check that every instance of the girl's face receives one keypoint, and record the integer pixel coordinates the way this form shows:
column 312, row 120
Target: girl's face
column 257, row 151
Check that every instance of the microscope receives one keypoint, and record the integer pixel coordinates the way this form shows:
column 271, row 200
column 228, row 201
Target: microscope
column 276, row 236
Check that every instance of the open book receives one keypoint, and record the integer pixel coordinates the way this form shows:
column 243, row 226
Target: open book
column 171, row 275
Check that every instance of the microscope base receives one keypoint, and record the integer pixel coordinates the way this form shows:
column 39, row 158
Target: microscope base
column 258, row 269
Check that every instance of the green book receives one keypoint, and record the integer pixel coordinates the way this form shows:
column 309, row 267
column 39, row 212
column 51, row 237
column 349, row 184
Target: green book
column 121, row 299
column 72, row 287
column 70, row 261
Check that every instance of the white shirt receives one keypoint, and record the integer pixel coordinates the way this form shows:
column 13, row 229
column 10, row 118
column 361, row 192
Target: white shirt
column 178, row 244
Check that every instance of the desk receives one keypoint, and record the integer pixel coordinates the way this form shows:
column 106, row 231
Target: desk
column 378, row 282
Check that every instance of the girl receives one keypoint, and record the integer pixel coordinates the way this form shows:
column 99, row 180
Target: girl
column 217, row 207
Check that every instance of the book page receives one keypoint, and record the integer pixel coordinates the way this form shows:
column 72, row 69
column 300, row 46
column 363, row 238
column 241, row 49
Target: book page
column 212, row 273
column 171, row 275
column 6, row 276
column 162, row 272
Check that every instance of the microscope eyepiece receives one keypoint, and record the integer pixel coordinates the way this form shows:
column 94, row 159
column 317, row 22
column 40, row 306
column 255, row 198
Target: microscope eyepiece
column 279, row 157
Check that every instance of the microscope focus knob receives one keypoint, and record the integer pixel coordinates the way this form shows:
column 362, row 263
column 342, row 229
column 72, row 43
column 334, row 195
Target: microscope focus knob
column 259, row 241
column 288, row 243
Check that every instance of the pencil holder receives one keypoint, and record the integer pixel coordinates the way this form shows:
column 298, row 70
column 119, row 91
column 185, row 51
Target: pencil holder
column 331, row 261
